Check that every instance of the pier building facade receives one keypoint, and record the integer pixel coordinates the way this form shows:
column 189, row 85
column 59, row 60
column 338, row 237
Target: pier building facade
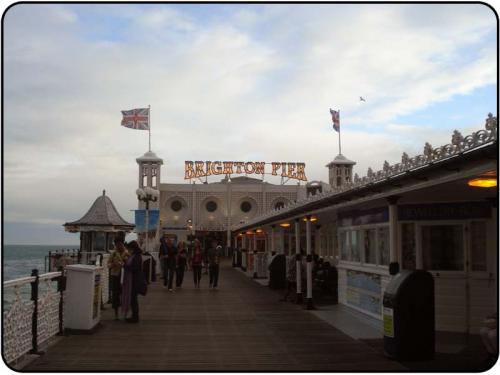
column 208, row 210
column 436, row 211
column 426, row 212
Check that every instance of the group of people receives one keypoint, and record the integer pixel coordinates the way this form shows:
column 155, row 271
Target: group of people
column 127, row 279
column 128, row 276
column 175, row 260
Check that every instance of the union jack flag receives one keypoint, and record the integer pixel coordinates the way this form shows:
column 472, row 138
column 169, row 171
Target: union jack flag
column 136, row 119
column 335, row 119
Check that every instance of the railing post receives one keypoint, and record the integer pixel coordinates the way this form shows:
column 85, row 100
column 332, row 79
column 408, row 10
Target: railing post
column 61, row 286
column 34, row 320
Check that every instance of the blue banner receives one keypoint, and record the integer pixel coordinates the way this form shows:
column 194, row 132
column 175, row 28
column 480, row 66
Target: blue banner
column 140, row 220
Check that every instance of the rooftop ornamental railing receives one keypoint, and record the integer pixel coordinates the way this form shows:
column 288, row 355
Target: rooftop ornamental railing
column 459, row 145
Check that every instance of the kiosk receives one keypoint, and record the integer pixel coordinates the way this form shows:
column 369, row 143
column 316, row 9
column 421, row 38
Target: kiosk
column 83, row 296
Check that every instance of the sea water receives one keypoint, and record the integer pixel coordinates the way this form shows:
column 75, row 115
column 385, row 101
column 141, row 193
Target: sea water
column 20, row 260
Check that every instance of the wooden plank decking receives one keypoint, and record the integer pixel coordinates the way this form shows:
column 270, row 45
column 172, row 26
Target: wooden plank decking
column 241, row 326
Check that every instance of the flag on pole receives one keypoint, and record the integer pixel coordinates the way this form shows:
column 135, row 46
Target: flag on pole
column 335, row 120
column 136, row 119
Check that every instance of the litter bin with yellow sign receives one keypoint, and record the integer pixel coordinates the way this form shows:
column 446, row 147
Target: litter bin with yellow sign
column 408, row 315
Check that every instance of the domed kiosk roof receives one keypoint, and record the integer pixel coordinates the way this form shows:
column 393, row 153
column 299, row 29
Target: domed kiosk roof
column 101, row 216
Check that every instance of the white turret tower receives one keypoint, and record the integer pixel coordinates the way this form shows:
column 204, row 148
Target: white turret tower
column 149, row 175
column 340, row 171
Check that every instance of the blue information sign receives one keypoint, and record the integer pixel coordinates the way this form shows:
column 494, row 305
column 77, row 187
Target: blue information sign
column 140, row 220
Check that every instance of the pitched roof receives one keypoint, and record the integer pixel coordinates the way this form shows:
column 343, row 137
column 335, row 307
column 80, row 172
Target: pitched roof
column 102, row 213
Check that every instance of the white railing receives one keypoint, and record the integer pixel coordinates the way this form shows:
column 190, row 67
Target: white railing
column 31, row 308
column 458, row 145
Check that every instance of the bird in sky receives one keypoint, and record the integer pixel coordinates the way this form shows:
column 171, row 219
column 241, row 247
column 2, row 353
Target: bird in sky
column 361, row 99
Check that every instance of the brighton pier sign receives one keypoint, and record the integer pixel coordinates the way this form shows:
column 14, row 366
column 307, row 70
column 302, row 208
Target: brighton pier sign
column 196, row 169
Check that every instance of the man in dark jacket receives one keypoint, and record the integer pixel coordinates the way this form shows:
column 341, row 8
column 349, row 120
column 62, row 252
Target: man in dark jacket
column 214, row 254
column 168, row 255
column 134, row 281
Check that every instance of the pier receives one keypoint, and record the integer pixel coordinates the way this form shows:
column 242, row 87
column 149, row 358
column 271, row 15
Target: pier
column 241, row 326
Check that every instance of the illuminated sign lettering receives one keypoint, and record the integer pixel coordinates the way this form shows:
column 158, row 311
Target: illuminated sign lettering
column 196, row 169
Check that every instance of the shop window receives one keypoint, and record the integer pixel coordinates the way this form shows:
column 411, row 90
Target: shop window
column 324, row 244
column 478, row 246
column 344, row 250
column 383, row 245
column 369, row 246
column 408, row 246
column 442, row 247
column 99, row 241
column 355, row 245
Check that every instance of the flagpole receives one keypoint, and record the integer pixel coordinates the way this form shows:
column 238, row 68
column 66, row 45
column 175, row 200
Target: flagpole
column 149, row 125
column 340, row 148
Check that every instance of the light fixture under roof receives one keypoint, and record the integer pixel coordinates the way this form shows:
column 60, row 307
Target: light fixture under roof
column 284, row 225
column 486, row 180
column 312, row 219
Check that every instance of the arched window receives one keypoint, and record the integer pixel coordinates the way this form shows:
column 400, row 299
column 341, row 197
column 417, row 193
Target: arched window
column 279, row 205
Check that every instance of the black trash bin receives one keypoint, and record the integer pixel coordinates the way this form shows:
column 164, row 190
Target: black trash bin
column 277, row 272
column 408, row 315
column 238, row 258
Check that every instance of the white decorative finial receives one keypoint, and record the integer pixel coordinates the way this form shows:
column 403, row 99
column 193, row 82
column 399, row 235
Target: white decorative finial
column 456, row 138
column 428, row 150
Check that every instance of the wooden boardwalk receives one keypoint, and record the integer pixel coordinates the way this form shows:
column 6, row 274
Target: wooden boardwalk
column 241, row 326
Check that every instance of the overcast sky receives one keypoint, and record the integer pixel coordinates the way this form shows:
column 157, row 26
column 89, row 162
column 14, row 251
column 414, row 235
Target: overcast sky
column 225, row 82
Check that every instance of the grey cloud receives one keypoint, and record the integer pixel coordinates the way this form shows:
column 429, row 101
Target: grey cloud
column 259, row 88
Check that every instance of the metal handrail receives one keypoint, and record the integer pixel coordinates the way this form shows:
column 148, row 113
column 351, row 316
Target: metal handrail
column 19, row 282
column 50, row 275
column 12, row 349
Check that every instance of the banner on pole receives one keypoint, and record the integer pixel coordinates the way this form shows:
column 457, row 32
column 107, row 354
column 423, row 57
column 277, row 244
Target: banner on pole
column 137, row 118
column 140, row 220
column 335, row 120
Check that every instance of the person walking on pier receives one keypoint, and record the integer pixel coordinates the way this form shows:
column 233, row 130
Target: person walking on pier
column 181, row 264
column 168, row 255
column 196, row 264
column 291, row 276
column 116, row 262
column 214, row 254
column 134, row 282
